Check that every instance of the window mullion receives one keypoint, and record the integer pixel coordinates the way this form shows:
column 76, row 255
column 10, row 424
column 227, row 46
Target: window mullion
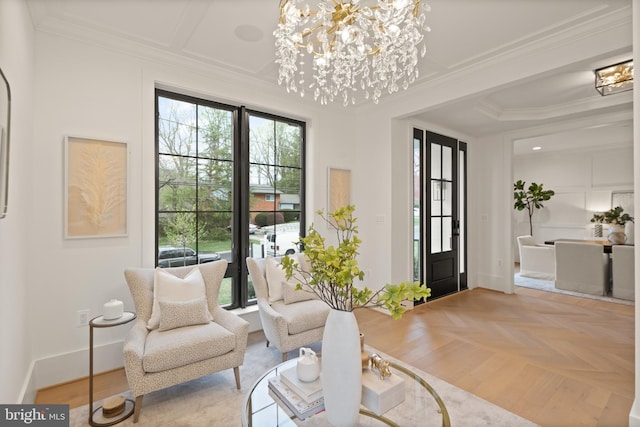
column 214, row 194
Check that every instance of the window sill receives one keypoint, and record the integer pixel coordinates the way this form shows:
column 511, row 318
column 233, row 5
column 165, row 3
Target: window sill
column 242, row 311
column 250, row 314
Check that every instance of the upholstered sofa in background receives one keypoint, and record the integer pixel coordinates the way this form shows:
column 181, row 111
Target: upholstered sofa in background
column 537, row 261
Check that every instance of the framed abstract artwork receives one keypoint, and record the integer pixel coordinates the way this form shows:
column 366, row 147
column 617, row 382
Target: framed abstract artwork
column 623, row 199
column 95, row 188
column 339, row 191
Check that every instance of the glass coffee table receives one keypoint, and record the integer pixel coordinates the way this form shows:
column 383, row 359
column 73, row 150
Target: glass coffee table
column 421, row 406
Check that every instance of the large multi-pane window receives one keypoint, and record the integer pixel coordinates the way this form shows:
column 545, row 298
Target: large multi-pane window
column 219, row 166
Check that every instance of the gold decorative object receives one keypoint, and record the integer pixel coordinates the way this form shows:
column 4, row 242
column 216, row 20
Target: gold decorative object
column 377, row 363
column 363, row 354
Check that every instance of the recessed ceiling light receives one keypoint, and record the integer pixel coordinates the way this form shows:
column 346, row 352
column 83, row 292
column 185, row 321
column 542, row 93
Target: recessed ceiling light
column 536, row 148
column 248, row 33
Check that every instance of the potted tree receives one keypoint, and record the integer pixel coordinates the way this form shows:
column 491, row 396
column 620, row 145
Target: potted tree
column 530, row 198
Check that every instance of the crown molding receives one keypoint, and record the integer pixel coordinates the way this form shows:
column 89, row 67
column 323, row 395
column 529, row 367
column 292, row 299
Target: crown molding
column 591, row 104
column 607, row 23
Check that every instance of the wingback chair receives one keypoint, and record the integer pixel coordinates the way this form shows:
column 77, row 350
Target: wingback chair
column 536, row 261
column 187, row 343
column 291, row 324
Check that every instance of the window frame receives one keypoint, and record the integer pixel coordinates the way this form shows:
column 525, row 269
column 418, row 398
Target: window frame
column 240, row 186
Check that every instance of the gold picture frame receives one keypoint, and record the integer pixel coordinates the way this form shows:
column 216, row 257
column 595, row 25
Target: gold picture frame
column 95, row 188
column 339, row 188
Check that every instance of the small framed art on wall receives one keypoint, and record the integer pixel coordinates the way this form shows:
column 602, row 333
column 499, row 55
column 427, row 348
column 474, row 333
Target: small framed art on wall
column 95, row 188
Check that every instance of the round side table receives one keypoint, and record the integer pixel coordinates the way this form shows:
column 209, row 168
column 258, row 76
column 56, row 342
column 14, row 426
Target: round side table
column 96, row 418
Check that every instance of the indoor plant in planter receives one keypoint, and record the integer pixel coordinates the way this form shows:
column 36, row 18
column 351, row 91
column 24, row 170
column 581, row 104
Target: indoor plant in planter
column 530, row 198
column 331, row 272
column 617, row 221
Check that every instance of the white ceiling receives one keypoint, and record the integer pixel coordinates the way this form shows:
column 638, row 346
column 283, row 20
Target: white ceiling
column 236, row 36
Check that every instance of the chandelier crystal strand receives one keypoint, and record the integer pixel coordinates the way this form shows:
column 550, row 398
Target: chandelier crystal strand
column 371, row 46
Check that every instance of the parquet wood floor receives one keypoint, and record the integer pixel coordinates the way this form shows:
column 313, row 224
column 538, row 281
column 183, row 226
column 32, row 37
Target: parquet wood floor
column 554, row 359
column 557, row 360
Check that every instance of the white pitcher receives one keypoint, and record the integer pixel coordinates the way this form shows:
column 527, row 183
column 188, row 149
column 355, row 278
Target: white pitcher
column 308, row 368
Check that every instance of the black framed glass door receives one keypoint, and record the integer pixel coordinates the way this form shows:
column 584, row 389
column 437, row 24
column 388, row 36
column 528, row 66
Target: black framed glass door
column 439, row 212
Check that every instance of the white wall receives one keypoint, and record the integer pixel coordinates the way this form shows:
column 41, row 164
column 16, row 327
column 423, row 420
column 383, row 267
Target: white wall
column 583, row 181
column 17, row 63
column 83, row 90
column 490, row 161
column 490, row 165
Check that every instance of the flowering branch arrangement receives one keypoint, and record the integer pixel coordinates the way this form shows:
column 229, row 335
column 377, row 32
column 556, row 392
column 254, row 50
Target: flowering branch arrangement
column 613, row 216
column 332, row 270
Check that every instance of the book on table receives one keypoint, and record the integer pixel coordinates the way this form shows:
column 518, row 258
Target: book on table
column 309, row 391
column 296, row 404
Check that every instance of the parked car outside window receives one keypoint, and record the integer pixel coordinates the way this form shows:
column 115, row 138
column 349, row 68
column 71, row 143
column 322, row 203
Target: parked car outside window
column 170, row 256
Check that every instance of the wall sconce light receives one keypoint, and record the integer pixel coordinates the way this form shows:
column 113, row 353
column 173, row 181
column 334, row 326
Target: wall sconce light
column 614, row 78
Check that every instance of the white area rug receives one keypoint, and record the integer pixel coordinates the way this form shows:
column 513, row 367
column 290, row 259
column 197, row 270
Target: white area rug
column 214, row 400
column 546, row 285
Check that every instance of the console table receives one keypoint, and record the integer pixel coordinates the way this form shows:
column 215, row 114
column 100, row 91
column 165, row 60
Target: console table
column 96, row 418
column 422, row 405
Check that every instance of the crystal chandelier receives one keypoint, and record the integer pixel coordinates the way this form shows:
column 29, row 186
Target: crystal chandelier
column 371, row 45
column 614, row 78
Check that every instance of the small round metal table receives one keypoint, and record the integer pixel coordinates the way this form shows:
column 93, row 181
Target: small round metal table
column 96, row 418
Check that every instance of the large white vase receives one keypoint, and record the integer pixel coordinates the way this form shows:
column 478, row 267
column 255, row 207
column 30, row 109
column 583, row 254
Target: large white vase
column 616, row 234
column 341, row 368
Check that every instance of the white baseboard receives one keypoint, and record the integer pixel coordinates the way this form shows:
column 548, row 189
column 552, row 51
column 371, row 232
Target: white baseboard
column 251, row 315
column 61, row 368
column 29, row 389
column 494, row 283
column 634, row 415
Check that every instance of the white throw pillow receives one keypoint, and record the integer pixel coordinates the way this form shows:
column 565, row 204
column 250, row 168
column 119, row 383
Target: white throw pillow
column 276, row 277
column 167, row 287
column 176, row 314
column 291, row 295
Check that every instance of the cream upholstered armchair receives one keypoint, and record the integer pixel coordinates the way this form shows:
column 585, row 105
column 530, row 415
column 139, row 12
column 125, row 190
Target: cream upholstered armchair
column 623, row 272
column 180, row 333
column 581, row 267
column 290, row 319
column 536, row 261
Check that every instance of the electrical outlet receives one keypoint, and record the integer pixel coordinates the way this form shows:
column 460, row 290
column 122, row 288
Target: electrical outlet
column 499, row 263
column 82, row 318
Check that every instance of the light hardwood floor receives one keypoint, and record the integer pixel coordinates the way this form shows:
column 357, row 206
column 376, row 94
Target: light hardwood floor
column 556, row 360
